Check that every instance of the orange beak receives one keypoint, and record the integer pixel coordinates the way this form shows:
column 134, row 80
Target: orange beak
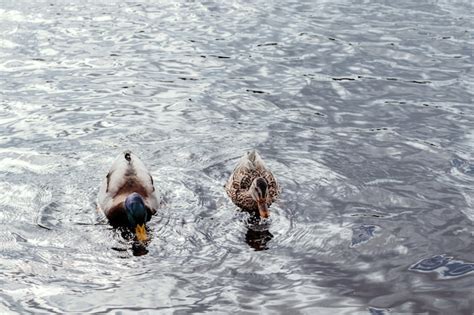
column 263, row 209
column 140, row 232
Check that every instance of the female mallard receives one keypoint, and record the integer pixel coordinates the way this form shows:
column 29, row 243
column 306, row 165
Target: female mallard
column 252, row 186
column 127, row 195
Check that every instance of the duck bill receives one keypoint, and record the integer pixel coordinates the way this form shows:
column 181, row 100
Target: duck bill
column 140, row 232
column 263, row 210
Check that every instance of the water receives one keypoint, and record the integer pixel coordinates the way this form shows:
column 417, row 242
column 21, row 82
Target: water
column 362, row 110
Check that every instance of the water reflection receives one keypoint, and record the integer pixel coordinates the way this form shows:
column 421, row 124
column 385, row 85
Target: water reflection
column 258, row 234
column 367, row 122
column 362, row 234
column 48, row 216
column 258, row 239
column 376, row 311
column 138, row 248
column 430, row 264
column 444, row 266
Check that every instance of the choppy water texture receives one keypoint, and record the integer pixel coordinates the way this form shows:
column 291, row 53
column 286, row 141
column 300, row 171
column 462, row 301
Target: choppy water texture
column 363, row 111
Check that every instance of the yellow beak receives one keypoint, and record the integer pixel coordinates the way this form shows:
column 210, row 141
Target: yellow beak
column 140, row 232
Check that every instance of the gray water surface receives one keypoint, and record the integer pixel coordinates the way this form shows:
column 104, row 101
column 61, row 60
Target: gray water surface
column 362, row 109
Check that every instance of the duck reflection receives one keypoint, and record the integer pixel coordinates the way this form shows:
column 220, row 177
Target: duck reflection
column 258, row 239
column 139, row 247
column 137, row 250
column 258, row 234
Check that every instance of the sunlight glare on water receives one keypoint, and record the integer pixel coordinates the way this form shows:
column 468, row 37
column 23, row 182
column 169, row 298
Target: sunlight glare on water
column 363, row 111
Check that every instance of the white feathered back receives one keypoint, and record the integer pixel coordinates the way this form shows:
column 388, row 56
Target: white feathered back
column 126, row 175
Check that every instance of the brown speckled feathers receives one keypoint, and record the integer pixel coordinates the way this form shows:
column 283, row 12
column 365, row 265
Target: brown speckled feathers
column 249, row 167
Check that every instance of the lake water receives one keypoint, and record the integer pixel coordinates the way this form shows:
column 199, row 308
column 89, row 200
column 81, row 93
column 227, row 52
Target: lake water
column 362, row 109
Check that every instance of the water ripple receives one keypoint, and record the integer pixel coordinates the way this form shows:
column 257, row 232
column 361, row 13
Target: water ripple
column 444, row 266
column 363, row 112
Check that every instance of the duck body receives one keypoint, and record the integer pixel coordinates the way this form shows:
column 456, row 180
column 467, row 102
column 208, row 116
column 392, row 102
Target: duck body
column 252, row 186
column 127, row 194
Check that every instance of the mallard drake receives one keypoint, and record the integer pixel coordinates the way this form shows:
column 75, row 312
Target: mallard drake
column 127, row 195
column 252, row 186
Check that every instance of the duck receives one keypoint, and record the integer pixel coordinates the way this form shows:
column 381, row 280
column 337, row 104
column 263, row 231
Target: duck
column 252, row 186
column 127, row 195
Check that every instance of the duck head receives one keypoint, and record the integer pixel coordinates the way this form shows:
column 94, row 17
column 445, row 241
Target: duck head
column 137, row 215
column 259, row 192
